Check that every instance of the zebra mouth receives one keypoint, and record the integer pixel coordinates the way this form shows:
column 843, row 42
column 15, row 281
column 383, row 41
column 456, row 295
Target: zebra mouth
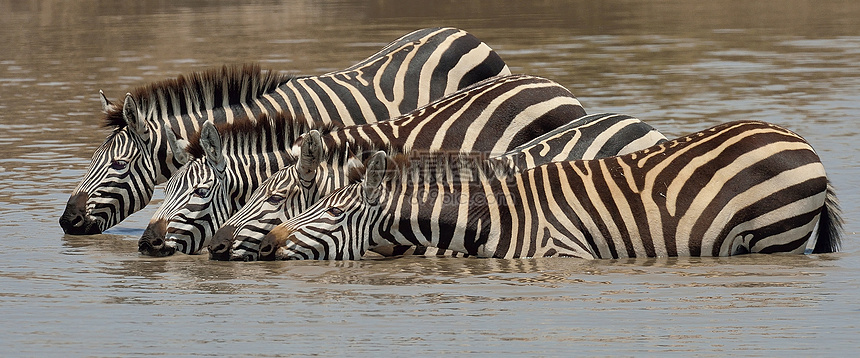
column 174, row 244
column 219, row 255
column 149, row 249
column 171, row 242
column 80, row 225
column 153, row 243
column 77, row 220
column 242, row 255
column 283, row 253
column 220, row 247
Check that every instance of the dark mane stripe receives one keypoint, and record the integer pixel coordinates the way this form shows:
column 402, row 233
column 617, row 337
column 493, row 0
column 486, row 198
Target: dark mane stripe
column 449, row 167
column 263, row 125
column 240, row 84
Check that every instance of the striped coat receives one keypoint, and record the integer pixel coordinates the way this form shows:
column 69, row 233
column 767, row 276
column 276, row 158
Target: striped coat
column 322, row 168
column 501, row 112
column 143, row 151
column 740, row 187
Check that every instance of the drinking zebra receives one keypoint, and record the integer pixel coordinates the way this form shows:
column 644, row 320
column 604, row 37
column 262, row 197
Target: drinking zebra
column 407, row 73
column 491, row 116
column 323, row 164
column 740, row 187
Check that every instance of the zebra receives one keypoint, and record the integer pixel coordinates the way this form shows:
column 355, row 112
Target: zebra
column 491, row 116
column 323, row 163
column 736, row 188
column 409, row 72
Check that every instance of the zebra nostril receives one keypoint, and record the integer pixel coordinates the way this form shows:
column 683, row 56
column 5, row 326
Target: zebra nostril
column 222, row 240
column 247, row 258
column 266, row 250
column 145, row 247
column 219, row 249
column 77, row 221
column 153, row 237
column 74, row 220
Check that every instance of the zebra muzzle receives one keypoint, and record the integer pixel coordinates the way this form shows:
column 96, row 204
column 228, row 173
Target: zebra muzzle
column 222, row 241
column 75, row 220
column 272, row 241
column 152, row 241
column 243, row 256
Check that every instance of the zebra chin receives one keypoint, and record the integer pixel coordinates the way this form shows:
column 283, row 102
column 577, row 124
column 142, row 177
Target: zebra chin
column 283, row 254
column 80, row 225
column 242, row 255
column 76, row 221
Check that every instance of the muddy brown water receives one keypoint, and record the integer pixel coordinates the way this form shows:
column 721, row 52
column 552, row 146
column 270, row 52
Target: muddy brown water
column 680, row 66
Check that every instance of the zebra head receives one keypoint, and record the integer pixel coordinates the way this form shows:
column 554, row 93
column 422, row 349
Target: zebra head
column 266, row 204
column 122, row 173
column 282, row 196
column 340, row 226
column 196, row 200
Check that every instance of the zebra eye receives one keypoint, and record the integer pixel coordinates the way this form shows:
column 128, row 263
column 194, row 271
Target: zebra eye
column 118, row 164
column 334, row 211
column 275, row 199
column 201, row 192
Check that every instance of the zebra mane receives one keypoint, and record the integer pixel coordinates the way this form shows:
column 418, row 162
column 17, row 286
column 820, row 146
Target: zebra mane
column 445, row 167
column 342, row 153
column 239, row 83
column 281, row 127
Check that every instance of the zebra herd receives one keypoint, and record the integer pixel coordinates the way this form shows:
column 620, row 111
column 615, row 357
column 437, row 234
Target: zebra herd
column 432, row 146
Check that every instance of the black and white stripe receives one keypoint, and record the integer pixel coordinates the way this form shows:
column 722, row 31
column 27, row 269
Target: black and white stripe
column 140, row 153
column 500, row 112
column 292, row 190
column 740, row 187
column 229, row 160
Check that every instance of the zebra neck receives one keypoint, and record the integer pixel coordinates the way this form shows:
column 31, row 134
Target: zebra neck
column 454, row 216
column 245, row 174
column 311, row 97
column 361, row 138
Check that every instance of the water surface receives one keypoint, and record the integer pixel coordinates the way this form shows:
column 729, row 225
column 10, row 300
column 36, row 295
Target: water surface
column 680, row 66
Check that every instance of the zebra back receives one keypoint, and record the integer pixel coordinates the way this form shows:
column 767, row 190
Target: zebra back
column 740, row 187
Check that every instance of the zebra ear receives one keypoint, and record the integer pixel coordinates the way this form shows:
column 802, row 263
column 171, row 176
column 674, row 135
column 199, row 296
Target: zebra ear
column 310, row 156
column 372, row 185
column 131, row 115
column 354, row 167
column 177, row 146
column 296, row 149
column 107, row 106
column 210, row 140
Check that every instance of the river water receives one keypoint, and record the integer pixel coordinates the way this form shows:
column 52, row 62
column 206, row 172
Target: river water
column 680, row 66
